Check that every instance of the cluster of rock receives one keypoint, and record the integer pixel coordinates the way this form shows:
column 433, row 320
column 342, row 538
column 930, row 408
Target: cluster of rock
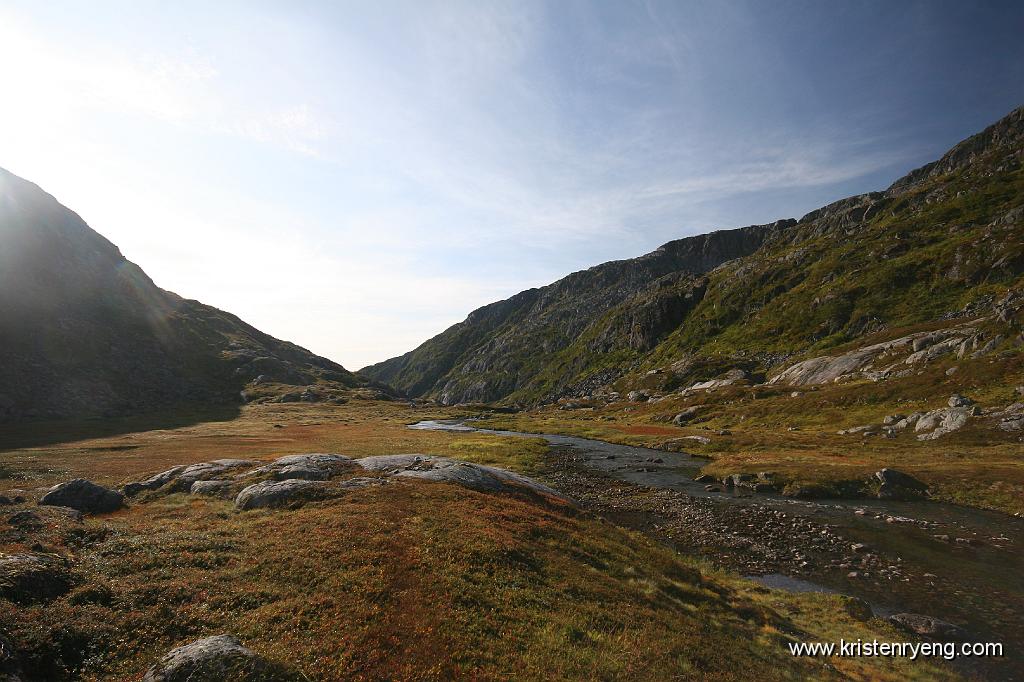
column 943, row 421
column 294, row 479
column 902, row 354
column 762, row 482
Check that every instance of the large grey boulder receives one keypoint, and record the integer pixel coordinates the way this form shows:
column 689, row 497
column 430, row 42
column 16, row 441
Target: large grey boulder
column 276, row 494
column 32, row 577
column 927, row 626
column 279, row 493
column 83, row 495
column 213, row 659
column 943, row 421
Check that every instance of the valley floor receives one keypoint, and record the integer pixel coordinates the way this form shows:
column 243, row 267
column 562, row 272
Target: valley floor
column 412, row 580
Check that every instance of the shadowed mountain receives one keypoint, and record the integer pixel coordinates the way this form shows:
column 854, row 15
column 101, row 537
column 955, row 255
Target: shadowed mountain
column 86, row 333
column 946, row 241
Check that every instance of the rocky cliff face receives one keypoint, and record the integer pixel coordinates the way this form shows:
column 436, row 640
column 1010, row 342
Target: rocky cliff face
column 505, row 346
column 946, row 237
column 84, row 332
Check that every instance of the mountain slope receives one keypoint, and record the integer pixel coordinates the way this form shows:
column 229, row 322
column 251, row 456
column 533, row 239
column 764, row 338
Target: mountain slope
column 492, row 353
column 943, row 242
column 84, row 332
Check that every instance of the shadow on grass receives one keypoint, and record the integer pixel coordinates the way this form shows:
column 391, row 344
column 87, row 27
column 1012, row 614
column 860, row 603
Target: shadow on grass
column 35, row 433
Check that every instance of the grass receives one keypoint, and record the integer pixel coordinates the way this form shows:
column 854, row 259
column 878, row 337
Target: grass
column 977, row 466
column 407, row 581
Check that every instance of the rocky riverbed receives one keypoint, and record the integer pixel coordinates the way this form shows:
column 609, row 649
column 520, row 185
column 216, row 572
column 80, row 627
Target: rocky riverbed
column 960, row 565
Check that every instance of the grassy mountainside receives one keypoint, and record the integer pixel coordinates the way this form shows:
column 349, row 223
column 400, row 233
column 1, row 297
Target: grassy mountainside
column 943, row 244
column 84, row 332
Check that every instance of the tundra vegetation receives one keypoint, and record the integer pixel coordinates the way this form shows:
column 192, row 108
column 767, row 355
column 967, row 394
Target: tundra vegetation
column 409, row 580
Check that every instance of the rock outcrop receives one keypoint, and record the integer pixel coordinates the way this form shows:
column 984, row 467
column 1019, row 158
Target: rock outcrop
column 927, row 626
column 468, row 475
column 293, row 480
column 214, row 659
column 83, row 495
column 896, row 485
column 30, row 577
column 274, row 494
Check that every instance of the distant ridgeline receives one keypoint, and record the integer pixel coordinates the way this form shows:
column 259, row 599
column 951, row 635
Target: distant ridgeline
column 942, row 245
column 86, row 333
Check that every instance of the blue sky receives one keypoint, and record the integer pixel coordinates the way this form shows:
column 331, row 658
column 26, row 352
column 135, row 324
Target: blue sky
column 356, row 177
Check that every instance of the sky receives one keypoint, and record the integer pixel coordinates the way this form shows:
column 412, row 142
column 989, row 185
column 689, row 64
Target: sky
column 356, row 177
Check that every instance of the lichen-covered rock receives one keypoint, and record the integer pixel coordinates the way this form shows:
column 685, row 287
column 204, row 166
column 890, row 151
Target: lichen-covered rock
column 153, row 482
column 275, row 494
column 310, row 467
column 927, row 626
column 943, row 422
column 473, row 476
column 32, row 577
column 279, row 493
column 212, row 488
column 205, row 471
column 214, row 659
column 83, row 495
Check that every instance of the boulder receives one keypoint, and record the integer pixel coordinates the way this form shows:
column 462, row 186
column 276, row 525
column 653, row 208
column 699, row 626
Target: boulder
column 293, row 492
column 944, row 422
column 212, row 659
column 32, row 577
column 896, row 485
column 83, row 495
column 686, row 415
column 280, row 493
column 927, row 626
column 637, row 396
column 957, row 400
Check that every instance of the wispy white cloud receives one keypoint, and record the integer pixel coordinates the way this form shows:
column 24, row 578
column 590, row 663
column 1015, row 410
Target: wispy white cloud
column 356, row 179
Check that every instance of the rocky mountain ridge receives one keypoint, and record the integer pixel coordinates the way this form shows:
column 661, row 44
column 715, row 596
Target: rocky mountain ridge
column 940, row 244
